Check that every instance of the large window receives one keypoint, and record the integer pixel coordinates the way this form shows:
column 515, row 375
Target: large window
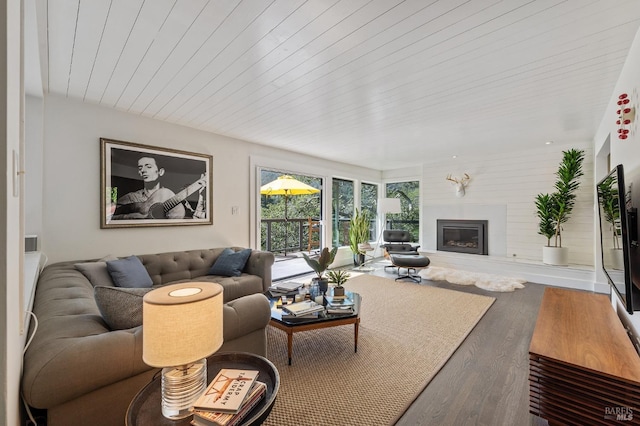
column 369, row 203
column 341, row 211
column 408, row 218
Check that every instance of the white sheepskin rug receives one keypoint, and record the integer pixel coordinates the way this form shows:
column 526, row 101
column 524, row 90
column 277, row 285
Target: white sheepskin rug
column 481, row 280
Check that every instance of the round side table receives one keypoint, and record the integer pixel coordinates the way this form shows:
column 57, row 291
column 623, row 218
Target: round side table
column 145, row 409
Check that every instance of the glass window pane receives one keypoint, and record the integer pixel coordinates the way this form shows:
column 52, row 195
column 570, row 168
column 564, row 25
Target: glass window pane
column 369, row 202
column 341, row 211
column 280, row 233
column 408, row 218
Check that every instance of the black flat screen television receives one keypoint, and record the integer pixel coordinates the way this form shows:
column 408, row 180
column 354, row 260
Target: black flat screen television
column 618, row 238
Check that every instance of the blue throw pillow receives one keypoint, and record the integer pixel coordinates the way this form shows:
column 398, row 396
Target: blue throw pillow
column 129, row 272
column 230, row 263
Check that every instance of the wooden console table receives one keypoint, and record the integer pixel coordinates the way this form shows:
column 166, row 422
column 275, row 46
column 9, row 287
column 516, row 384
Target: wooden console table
column 583, row 368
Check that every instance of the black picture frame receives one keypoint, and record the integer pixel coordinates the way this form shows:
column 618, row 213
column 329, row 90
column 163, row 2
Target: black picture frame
column 184, row 178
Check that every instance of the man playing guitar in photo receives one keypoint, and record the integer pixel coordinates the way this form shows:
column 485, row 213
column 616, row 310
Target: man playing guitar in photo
column 154, row 200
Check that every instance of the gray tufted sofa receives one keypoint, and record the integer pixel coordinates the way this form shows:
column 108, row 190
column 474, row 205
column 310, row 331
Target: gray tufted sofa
column 83, row 373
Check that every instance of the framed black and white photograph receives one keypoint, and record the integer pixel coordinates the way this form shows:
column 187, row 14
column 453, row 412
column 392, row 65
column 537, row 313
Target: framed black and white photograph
column 143, row 185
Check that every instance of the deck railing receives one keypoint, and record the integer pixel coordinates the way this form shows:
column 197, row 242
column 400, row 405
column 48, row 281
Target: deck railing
column 304, row 234
column 298, row 233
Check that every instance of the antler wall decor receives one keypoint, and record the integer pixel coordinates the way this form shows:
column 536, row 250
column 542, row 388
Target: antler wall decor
column 460, row 183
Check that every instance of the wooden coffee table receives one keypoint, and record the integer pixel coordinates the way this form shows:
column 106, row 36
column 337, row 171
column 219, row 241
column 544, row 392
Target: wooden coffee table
column 297, row 325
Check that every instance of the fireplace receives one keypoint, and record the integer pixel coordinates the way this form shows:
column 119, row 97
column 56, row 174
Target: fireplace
column 463, row 236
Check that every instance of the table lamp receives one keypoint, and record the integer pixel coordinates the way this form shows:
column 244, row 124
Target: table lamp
column 182, row 326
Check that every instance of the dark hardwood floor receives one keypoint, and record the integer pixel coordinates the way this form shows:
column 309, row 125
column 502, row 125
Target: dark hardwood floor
column 485, row 382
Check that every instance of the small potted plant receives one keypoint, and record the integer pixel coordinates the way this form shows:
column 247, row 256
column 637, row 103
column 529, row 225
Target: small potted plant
column 338, row 277
column 320, row 265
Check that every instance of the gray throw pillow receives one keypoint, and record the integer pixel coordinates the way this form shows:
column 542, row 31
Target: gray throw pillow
column 129, row 272
column 96, row 272
column 230, row 263
column 121, row 308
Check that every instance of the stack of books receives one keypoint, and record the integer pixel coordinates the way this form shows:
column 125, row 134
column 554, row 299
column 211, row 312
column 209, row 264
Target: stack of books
column 287, row 288
column 287, row 316
column 230, row 396
column 341, row 305
column 304, row 308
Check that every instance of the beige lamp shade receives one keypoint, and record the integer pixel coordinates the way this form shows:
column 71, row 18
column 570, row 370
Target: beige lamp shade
column 182, row 323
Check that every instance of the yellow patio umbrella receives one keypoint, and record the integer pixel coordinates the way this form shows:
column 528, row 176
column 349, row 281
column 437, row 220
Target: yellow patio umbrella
column 287, row 186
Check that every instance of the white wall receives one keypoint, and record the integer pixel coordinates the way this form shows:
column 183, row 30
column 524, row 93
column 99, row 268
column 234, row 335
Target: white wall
column 11, row 91
column 502, row 190
column 71, row 221
column 627, row 151
column 34, row 134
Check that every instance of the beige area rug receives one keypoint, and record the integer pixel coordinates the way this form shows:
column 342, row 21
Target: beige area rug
column 481, row 280
column 407, row 333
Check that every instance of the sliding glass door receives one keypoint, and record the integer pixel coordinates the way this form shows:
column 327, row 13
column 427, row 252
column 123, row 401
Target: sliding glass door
column 290, row 219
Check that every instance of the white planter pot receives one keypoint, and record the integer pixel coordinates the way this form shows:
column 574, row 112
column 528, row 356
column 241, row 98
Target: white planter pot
column 555, row 256
column 615, row 259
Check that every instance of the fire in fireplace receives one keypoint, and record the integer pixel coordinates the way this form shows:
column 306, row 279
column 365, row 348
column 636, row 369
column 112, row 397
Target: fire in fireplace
column 463, row 236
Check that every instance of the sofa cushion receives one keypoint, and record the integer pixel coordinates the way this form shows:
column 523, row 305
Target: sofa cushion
column 121, row 308
column 96, row 272
column 129, row 272
column 230, row 263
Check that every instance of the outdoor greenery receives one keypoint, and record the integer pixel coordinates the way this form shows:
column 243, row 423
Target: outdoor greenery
column 553, row 210
column 369, row 203
column 301, row 208
column 342, row 209
column 408, row 219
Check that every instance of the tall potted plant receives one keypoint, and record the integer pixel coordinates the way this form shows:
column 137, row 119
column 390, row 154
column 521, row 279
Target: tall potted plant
column 610, row 209
column 553, row 210
column 359, row 233
column 320, row 265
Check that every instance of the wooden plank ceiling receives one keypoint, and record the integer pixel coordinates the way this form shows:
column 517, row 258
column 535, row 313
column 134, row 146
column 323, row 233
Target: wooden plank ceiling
column 380, row 83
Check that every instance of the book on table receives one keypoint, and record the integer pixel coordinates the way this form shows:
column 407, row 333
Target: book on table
column 287, row 316
column 212, row 418
column 275, row 294
column 338, row 301
column 227, row 390
column 302, row 308
column 287, row 286
column 343, row 310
